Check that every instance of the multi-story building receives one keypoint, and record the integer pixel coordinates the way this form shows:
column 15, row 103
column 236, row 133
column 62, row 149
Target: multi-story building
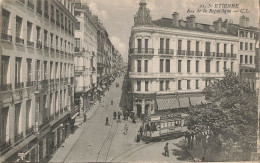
column 85, row 56
column 247, row 50
column 172, row 60
column 37, row 74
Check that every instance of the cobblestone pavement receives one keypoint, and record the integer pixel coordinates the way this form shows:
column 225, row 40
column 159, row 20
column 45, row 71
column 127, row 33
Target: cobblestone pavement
column 94, row 141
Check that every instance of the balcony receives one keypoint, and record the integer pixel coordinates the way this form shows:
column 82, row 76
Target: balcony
column 58, row 23
column 71, row 80
column 52, row 81
column 29, row 131
column 181, row 52
column 66, row 80
column 62, row 26
column 66, row 108
column 30, row 5
column 6, row 37
column 61, row 52
column 57, row 51
column 45, row 125
column 57, row 114
column 142, row 51
column 29, row 83
column 5, row 145
column 76, row 49
column 198, row 53
column 190, row 53
column 52, row 20
column 19, row 85
column 52, row 50
column 19, row 40
column 46, row 48
column 39, row 10
column 81, row 89
column 18, row 137
column 61, row 111
column 30, row 44
column 46, row 15
column 219, row 55
column 166, row 51
column 5, row 87
column 79, row 68
column 57, row 80
column 209, row 54
column 51, row 117
column 39, row 45
column 233, row 56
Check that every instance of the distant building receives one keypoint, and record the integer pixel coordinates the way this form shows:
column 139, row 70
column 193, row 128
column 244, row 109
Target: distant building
column 172, row 60
column 37, row 78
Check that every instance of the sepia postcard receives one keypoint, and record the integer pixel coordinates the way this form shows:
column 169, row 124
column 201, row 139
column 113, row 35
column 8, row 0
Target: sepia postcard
column 129, row 81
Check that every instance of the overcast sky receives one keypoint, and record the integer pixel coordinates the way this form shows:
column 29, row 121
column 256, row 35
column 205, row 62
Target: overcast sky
column 118, row 15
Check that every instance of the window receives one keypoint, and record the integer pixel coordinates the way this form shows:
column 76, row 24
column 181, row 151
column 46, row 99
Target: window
column 19, row 21
column 197, row 66
column 3, row 123
column 51, row 70
column 232, row 49
column 179, row 65
column 179, row 84
column 77, row 26
column 251, row 35
column 52, row 13
column 138, row 85
column 225, row 65
column 51, row 39
column 207, row 50
column 39, row 6
column 61, row 70
column 146, row 45
column 17, row 119
column 188, row 84
column 241, row 45
column 207, row 65
column 45, row 70
column 161, row 65
column 232, row 65
column 161, row 86
column 45, row 37
column 46, row 9
column 146, row 85
column 61, row 18
column 37, row 70
column 217, row 48
column 145, row 65
column 167, row 85
column 246, row 46
column 18, row 62
column 5, row 21
column 197, row 84
column 225, row 49
column 57, row 17
column 161, row 45
column 29, row 31
column 167, row 46
column 38, row 35
column 246, row 59
column 66, row 24
column 251, row 46
column 139, row 66
column 139, row 42
column 217, row 66
column 77, row 13
column 188, row 65
column 28, row 110
column 179, row 46
column 56, row 70
column 29, row 70
column 251, row 59
column 197, row 47
column 167, row 65
column 4, row 69
column 241, row 58
column 188, row 47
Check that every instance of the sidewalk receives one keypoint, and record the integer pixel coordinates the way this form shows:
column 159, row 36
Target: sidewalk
column 67, row 146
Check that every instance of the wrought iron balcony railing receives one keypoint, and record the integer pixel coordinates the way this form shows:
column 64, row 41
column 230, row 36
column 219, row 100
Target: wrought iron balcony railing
column 29, row 131
column 19, row 40
column 190, row 53
column 165, row 51
column 52, row 50
column 57, row 51
column 6, row 37
column 52, row 20
column 46, row 15
column 46, row 48
column 181, row 52
column 198, row 53
column 39, row 45
column 233, row 56
column 142, row 51
column 57, row 23
column 30, row 44
column 39, row 10
column 29, row 83
column 5, row 87
column 5, row 145
column 76, row 49
column 18, row 137
column 19, row 85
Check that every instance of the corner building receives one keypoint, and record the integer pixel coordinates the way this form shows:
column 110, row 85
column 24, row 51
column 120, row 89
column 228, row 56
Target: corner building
column 172, row 60
column 37, row 74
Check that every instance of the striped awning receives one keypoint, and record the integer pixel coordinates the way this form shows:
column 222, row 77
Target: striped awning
column 167, row 103
column 184, row 102
column 197, row 100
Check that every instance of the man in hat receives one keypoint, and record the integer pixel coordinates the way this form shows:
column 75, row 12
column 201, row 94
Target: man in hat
column 166, row 150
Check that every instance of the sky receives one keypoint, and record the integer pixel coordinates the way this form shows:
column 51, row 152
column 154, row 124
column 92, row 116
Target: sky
column 117, row 16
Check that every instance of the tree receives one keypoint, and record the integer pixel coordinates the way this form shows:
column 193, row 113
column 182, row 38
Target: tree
column 232, row 112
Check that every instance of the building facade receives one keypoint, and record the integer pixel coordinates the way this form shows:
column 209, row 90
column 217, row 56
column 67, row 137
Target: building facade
column 37, row 78
column 85, row 56
column 171, row 60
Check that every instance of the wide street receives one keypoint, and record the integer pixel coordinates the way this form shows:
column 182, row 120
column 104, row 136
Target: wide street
column 94, row 141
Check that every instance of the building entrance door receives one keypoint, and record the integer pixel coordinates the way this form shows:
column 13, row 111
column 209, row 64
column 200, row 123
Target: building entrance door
column 139, row 110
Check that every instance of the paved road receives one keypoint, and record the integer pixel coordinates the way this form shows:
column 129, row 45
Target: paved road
column 97, row 142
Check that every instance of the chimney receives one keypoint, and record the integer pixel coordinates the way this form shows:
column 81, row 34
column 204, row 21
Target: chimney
column 242, row 21
column 191, row 21
column 225, row 24
column 175, row 19
column 217, row 24
column 247, row 21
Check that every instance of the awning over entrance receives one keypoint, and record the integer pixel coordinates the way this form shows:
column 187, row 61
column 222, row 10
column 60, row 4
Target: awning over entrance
column 167, row 103
column 184, row 102
column 197, row 100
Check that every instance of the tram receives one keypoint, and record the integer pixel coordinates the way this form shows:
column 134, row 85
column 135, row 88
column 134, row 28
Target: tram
column 166, row 127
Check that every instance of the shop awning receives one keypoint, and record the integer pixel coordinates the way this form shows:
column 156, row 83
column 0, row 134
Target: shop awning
column 167, row 103
column 184, row 102
column 16, row 148
column 197, row 100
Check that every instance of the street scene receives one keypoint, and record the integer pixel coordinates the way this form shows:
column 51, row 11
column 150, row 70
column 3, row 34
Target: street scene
column 129, row 81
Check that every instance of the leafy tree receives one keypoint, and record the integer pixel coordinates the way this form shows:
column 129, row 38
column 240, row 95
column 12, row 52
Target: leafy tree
column 232, row 112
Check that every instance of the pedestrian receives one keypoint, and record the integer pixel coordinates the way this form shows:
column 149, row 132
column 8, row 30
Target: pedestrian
column 107, row 121
column 166, row 150
column 85, row 117
column 127, row 115
column 141, row 130
column 203, row 159
column 114, row 115
column 118, row 116
column 126, row 129
column 134, row 120
column 138, row 137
